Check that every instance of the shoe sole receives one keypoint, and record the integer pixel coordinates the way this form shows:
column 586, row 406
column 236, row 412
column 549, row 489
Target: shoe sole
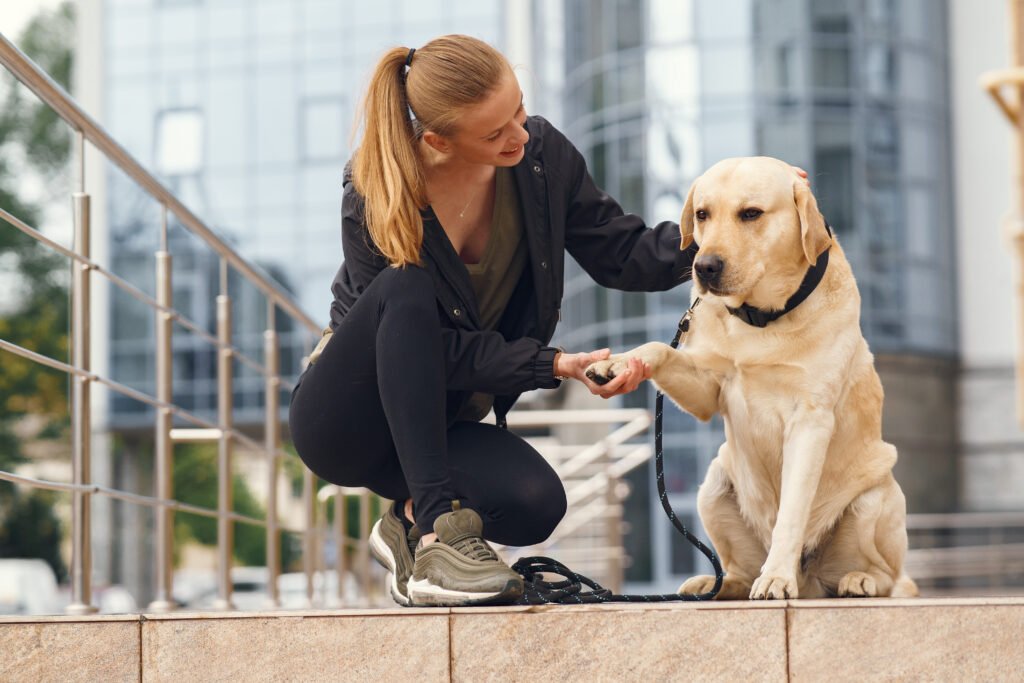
column 423, row 593
column 382, row 553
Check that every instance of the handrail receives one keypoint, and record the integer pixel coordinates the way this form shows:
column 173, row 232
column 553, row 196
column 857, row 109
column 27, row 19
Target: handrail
column 128, row 288
column 50, row 92
column 963, row 520
column 136, row 498
column 134, row 394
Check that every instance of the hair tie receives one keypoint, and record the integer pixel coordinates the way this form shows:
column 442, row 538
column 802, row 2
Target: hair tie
column 408, row 59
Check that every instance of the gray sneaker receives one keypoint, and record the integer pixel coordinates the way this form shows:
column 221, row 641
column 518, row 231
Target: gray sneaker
column 460, row 568
column 393, row 549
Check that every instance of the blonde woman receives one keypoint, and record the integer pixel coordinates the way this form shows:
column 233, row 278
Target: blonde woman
column 458, row 209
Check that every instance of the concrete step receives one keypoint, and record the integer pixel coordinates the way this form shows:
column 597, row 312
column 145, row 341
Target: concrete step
column 815, row 640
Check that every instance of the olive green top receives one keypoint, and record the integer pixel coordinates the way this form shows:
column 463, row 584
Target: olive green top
column 497, row 273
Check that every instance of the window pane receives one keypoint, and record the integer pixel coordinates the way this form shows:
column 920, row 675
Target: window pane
column 179, row 142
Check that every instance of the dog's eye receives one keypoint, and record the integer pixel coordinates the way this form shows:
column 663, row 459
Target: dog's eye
column 701, row 214
column 750, row 214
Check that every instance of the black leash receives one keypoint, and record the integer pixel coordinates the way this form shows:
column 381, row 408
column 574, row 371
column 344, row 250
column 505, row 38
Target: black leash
column 570, row 589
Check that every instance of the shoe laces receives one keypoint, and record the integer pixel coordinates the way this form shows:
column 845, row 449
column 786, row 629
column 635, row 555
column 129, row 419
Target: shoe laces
column 475, row 548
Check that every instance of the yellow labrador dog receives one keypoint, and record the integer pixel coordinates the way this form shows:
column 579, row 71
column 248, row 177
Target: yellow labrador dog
column 800, row 500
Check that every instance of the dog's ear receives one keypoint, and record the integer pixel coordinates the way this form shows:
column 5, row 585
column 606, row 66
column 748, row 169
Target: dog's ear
column 813, row 233
column 686, row 221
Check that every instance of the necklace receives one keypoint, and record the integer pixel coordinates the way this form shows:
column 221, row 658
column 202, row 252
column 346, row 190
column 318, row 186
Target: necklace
column 462, row 214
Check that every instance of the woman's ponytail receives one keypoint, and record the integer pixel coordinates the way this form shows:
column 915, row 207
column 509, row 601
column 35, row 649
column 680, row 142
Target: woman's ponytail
column 386, row 168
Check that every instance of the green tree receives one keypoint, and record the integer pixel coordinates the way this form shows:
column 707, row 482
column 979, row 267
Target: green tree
column 34, row 311
column 195, row 483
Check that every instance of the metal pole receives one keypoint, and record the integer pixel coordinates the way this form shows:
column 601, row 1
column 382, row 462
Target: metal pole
column 225, row 405
column 613, row 535
column 339, row 542
column 272, row 436
column 164, row 601
column 364, row 542
column 1017, row 234
column 307, row 537
column 81, row 428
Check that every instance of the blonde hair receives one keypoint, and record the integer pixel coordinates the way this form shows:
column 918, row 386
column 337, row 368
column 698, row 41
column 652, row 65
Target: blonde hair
column 444, row 77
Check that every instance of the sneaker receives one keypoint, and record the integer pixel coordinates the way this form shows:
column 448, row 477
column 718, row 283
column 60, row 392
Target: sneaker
column 393, row 548
column 460, row 568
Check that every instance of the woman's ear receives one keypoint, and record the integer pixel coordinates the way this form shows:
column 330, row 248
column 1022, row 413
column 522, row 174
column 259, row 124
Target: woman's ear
column 438, row 142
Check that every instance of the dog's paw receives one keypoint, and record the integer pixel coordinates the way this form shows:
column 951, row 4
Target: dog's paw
column 857, row 585
column 732, row 589
column 604, row 371
column 774, row 587
column 696, row 585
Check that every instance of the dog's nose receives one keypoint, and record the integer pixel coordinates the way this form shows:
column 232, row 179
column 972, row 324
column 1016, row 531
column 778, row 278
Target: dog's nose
column 709, row 268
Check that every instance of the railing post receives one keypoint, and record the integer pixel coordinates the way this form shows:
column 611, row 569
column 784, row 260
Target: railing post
column 164, row 601
column 308, row 540
column 320, row 533
column 339, row 541
column 272, row 440
column 81, row 417
column 613, row 531
column 225, row 406
column 364, row 542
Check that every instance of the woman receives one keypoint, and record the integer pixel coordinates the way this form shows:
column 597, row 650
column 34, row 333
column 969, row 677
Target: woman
column 457, row 211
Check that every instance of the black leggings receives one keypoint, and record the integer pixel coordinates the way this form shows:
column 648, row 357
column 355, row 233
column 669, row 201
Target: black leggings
column 371, row 412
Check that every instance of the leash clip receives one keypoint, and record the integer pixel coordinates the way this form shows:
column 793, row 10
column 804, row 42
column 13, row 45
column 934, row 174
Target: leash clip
column 684, row 323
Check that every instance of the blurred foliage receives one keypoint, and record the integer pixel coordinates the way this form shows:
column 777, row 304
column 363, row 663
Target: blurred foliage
column 28, row 527
column 195, row 483
column 36, row 316
column 34, row 312
column 352, row 521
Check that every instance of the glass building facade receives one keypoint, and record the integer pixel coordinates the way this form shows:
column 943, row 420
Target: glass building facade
column 855, row 92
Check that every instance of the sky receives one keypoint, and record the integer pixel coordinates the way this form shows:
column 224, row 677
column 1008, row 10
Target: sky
column 14, row 14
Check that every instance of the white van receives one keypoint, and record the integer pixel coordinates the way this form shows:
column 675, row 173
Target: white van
column 28, row 586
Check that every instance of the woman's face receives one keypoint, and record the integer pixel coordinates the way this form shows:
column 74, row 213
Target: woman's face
column 492, row 131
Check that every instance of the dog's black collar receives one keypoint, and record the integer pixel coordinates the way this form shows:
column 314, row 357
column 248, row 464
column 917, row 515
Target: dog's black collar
column 760, row 318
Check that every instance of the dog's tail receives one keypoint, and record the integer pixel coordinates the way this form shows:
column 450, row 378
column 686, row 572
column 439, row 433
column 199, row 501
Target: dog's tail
column 904, row 587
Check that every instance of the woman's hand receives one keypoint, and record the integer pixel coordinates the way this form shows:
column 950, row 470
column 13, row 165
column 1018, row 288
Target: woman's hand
column 575, row 364
column 803, row 174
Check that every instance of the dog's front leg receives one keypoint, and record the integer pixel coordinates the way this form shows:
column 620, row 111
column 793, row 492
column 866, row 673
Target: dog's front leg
column 674, row 371
column 803, row 456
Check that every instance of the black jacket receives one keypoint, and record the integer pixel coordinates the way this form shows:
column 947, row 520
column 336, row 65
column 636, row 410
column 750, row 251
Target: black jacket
column 562, row 210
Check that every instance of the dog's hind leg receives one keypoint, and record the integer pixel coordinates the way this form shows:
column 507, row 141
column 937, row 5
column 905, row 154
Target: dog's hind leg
column 864, row 557
column 738, row 547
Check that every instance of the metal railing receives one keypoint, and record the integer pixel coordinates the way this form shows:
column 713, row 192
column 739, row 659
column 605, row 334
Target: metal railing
column 590, row 536
column 966, row 552
column 87, row 131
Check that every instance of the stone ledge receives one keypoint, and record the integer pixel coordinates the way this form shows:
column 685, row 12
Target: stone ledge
column 84, row 649
column 873, row 639
column 976, row 640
